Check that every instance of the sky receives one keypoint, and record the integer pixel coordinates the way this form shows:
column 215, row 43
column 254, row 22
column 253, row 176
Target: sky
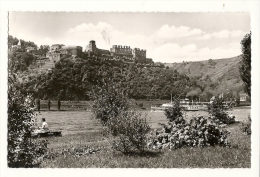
column 167, row 37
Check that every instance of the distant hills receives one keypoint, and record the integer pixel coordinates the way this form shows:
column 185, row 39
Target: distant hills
column 223, row 72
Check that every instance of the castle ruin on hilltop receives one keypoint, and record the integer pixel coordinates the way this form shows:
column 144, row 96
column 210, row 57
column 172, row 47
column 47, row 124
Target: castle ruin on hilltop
column 57, row 50
column 117, row 51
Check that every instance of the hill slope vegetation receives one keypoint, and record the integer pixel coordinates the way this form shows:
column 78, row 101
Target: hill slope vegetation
column 73, row 79
column 221, row 74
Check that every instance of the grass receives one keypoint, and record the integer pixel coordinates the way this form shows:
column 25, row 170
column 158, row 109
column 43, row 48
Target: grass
column 79, row 129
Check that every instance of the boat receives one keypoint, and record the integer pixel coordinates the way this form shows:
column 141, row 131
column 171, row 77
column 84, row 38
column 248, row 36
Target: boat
column 185, row 103
column 162, row 107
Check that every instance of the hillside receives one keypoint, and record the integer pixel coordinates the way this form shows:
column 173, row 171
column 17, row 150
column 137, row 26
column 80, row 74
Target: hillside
column 223, row 72
column 75, row 79
column 72, row 78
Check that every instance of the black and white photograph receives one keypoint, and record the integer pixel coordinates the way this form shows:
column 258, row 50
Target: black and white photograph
column 118, row 89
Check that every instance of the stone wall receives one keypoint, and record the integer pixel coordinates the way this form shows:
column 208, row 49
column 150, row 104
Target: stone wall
column 118, row 50
column 121, row 50
column 139, row 53
column 74, row 50
column 56, row 52
column 102, row 52
column 55, row 57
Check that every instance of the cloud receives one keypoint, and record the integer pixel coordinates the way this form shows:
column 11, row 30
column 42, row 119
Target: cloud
column 190, row 47
column 238, row 33
column 223, row 34
column 172, row 52
column 159, row 45
column 83, row 33
column 91, row 27
column 167, row 31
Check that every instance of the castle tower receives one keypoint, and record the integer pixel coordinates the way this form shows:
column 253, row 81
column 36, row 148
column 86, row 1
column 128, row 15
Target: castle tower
column 92, row 46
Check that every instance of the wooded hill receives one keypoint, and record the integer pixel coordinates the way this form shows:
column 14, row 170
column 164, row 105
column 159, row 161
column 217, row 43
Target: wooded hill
column 222, row 74
column 73, row 79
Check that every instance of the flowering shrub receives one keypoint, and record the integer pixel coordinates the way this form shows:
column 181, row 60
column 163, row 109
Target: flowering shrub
column 22, row 151
column 223, row 118
column 175, row 111
column 218, row 113
column 198, row 132
column 246, row 126
column 129, row 129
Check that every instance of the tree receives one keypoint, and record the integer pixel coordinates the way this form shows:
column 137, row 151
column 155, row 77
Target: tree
column 12, row 41
column 109, row 99
column 44, row 48
column 20, row 62
column 22, row 150
column 245, row 63
column 175, row 112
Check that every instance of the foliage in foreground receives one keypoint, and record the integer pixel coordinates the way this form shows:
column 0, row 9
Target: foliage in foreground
column 22, row 151
column 218, row 113
column 246, row 126
column 108, row 101
column 176, row 111
column 129, row 130
column 198, row 132
column 245, row 63
column 238, row 156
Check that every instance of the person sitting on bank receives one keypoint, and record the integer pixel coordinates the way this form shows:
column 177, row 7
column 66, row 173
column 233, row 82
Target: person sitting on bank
column 43, row 128
column 44, row 125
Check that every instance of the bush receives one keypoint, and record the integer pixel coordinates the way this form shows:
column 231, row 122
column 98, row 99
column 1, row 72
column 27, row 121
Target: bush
column 246, row 126
column 22, row 151
column 223, row 118
column 197, row 133
column 218, row 113
column 175, row 111
column 129, row 130
column 109, row 99
column 126, row 129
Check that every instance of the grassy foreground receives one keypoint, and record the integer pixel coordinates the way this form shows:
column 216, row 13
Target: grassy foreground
column 238, row 156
